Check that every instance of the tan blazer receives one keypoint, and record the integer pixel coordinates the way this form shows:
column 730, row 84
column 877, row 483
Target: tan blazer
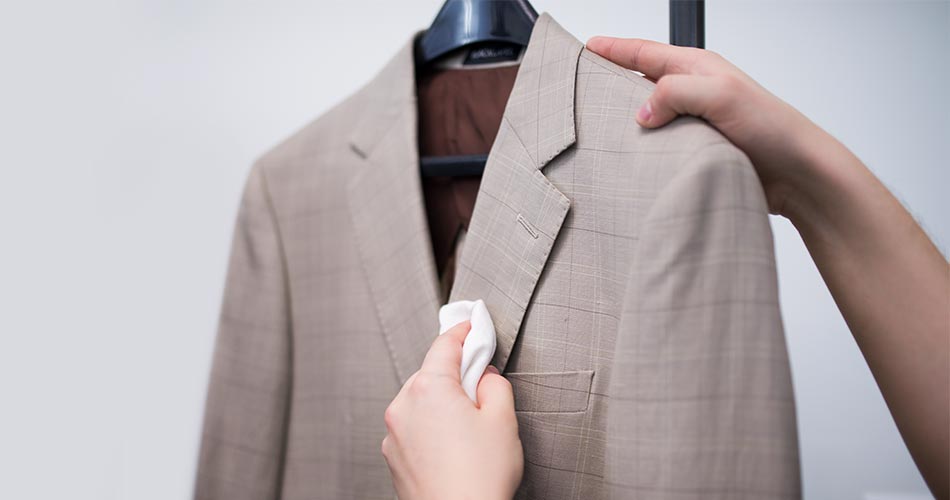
column 630, row 274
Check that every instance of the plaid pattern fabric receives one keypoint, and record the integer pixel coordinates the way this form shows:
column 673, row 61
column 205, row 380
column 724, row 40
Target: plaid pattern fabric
column 630, row 274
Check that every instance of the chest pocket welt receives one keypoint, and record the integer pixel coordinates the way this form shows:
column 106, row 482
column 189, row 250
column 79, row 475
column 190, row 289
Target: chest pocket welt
column 552, row 392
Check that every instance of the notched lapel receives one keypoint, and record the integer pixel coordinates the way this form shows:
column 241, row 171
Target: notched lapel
column 519, row 212
column 517, row 218
column 388, row 212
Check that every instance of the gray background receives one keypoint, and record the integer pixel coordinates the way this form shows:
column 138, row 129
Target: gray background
column 127, row 131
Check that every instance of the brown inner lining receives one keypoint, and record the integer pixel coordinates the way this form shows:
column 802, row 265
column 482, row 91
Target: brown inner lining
column 460, row 111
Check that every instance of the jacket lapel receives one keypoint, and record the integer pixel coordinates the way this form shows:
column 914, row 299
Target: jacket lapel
column 388, row 212
column 518, row 213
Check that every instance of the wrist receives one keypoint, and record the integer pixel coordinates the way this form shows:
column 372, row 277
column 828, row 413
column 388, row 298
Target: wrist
column 822, row 178
column 833, row 199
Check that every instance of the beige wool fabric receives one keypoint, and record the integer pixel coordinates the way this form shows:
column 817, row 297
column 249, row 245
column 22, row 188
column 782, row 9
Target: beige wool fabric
column 630, row 275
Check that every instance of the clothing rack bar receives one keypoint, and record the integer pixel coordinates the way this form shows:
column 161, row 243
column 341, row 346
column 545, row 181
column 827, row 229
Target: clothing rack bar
column 687, row 23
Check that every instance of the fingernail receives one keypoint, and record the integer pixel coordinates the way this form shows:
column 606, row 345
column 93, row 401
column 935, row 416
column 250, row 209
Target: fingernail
column 645, row 113
column 492, row 369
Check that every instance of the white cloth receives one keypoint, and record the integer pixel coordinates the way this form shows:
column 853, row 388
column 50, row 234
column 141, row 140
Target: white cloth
column 479, row 345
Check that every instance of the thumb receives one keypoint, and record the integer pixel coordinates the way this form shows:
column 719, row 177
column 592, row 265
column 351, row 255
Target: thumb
column 494, row 392
column 678, row 95
column 445, row 355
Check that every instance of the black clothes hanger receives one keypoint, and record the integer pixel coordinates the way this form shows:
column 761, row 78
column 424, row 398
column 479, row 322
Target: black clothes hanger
column 470, row 23
column 461, row 23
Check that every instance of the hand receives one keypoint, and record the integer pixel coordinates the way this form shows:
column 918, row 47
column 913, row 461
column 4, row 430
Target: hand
column 777, row 138
column 440, row 444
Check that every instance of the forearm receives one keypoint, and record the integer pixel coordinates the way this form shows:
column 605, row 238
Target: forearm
column 892, row 286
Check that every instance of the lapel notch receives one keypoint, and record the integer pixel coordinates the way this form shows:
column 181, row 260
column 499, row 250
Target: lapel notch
column 519, row 212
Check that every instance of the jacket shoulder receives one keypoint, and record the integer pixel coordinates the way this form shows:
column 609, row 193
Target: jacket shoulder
column 316, row 143
column 607, row 99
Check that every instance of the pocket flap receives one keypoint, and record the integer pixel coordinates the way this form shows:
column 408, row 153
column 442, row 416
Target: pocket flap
column 551, row 392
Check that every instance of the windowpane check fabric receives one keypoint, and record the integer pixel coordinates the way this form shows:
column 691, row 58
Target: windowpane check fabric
column 629, row 273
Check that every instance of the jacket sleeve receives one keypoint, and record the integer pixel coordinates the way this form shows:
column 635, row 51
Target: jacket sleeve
column 701, row 394
column 242, row 444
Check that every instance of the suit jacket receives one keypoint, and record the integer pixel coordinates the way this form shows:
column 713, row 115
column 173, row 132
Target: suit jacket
column 630, row 274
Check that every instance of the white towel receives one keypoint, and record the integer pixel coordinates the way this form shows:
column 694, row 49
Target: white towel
column 479, row 345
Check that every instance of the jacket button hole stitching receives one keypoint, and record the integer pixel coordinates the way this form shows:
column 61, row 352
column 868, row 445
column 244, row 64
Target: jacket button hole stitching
column 528, row 227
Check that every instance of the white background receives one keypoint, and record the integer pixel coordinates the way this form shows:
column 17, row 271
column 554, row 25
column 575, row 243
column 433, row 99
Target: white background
column 127, row 129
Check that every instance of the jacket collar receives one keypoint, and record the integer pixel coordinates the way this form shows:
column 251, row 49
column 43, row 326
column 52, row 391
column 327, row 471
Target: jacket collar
column 551, row 57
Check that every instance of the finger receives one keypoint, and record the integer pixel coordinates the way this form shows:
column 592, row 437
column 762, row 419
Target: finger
column 653, row 59
column 404, row 389
column 396, row 408
column 494, row 392
column 387, row 447
column 681, row 95
column 445, row 355
column 393, row 458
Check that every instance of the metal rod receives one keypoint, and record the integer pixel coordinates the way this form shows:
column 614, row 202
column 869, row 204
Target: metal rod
column 687, row 23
